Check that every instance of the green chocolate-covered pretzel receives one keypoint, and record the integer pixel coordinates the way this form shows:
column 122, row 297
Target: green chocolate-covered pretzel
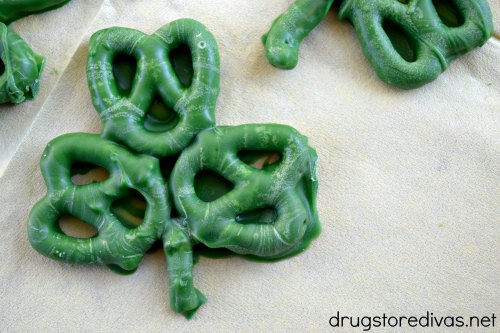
column 433, row 43
column 115, row 243
column 270, row 213
column 123, row 115
column 408, row 42
column 289, row 187
column 232, row 221
column 20, row 68
column 11, row 10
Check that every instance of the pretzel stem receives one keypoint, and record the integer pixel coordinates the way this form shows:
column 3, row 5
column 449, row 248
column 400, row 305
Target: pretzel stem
column 184, row 297
column 283, row 40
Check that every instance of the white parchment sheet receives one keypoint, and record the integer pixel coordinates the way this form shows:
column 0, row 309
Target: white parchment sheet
column 409, row 183
column 55, row 35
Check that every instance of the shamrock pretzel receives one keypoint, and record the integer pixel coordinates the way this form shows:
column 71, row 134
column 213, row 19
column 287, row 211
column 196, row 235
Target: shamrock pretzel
column 20, row 68
column 289, row 187
column 233, row 221
column 123, row 116
column 433, row 42
column 115, row 243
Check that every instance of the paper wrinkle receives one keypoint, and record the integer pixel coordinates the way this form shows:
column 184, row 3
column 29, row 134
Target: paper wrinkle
column 408, row 183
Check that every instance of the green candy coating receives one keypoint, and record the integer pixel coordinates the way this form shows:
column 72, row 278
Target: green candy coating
column 177, row 245
column 11, row 10
column 115, row 243
column 289, row 29
column 20, row 68
column 270, row 213
column 288, row 186
column 124, row 115
column 434, row 43
column 409, row 43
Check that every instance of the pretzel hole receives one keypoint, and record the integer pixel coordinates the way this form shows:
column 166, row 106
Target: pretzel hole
column 74, row 227
column 130, row 209
column 404, row 1
column 404, row 45
column 210, row 186
column 449, row 13
column 167, row 165
column 124, row 69
column 84, row 173
column 260, row 159
column 157, row 245
column 182, row 63
column 266, row 215
column 2, row 67
column 160, row 117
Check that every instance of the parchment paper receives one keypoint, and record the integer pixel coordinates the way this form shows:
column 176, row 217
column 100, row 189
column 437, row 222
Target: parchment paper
column 55, row 35
column 408, row 195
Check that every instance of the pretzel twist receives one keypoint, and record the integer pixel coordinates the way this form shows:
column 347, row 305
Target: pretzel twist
column 115, row 243
column 434, row 43
column 288, row 186
column 123, row 116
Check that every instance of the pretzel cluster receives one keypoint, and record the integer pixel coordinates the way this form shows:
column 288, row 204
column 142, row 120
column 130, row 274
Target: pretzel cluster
column 431, row 39
column 131, row 153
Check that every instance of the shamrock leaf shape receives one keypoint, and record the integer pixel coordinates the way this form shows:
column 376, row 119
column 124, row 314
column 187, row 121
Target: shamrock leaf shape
column 127, row 108
column 269, row 213
column 233, row 220
column 408, row 42
column 115, row 243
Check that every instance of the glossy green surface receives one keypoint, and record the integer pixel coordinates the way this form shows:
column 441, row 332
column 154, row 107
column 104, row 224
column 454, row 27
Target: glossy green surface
column 20, row 68
column 126, row 115
column 289, row 29
column 409, row 43
column 178, row 248
column 11, row 10
column 115, row 242
column 250, row 189
column 434, row 43
column 289, row 187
